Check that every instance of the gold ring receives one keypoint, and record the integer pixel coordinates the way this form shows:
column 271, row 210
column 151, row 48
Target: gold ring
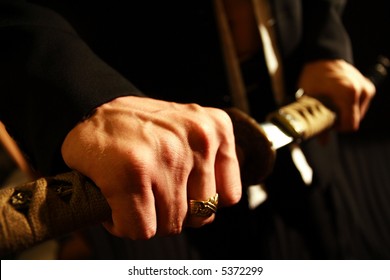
column 204, row 208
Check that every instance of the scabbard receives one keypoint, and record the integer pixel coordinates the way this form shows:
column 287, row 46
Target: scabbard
column 48, row 207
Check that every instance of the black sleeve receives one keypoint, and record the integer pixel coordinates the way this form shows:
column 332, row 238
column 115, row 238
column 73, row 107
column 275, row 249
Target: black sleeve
column 49, row 80
column 309, row 30
column 324, row 35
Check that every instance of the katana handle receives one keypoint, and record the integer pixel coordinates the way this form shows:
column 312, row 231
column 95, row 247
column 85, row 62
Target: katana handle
column 47, row 208
column 304, row 118
column 308, row 116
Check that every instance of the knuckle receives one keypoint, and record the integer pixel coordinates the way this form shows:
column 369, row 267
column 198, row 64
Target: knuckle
column 202, row 138
column 225, row 125
column 370, row 89
column 350, row 92
column 174, row 155
column 231, row 195
column 210, row 131
column 225, row 119
column 350, row 88
column 174, row 224
column 221, row 117
column 134, row 227
column 175, row 229
column 234, row 197
column 145, row 233
column 194, row 106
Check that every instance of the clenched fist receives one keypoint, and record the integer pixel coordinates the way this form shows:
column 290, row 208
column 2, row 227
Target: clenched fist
column 150, row 157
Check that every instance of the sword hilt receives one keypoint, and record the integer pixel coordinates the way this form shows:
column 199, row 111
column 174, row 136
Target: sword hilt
column 47, row 208
column 255, row 153
column 308, row 116
column 304, row 118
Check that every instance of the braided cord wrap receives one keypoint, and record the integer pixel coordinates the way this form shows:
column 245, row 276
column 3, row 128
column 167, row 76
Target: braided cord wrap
column 304, row 118
column 46, row 208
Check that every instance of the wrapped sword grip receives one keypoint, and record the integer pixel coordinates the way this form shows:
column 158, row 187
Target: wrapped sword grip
column 308, row 116
column 46, row 208
column 304, row 118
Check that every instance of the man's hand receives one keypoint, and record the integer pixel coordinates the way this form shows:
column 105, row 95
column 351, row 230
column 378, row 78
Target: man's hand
column 347, row 89
column 150, row 157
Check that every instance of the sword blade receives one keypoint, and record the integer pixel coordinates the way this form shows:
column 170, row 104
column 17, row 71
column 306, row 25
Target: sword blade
column 277, row 136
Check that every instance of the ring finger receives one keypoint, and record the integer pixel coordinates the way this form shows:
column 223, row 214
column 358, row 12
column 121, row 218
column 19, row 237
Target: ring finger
column 201, row 194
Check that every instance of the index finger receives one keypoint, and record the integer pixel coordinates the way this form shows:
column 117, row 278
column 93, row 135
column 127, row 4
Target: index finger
column 227, row 170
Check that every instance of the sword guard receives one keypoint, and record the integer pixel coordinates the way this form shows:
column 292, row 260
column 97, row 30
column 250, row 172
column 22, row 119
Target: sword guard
column 255, row 153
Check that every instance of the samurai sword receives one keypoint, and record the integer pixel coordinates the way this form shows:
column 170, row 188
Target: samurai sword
column 54, row 206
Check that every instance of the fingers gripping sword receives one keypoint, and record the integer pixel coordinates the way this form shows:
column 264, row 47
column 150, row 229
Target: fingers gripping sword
column 53, row 206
